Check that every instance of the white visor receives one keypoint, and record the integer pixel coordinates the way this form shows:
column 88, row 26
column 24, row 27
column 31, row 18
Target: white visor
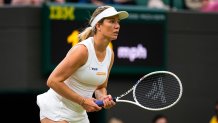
column 108, row 13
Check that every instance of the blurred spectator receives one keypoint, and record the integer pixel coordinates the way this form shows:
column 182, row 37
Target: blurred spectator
column 74, row 1
column 160, row 118
column 115, row 120
column 101, row 2
column 214, row 118
column 26, row 2
column 157, row 4
column 106, row 2
column 97, row 2
column 59, row 1
column 84, row 1
column 7, row 1
column 38, row 2
column 210, row 6
column 1, row 2
column 194, row 4
column 64, row 1
column 125, row 2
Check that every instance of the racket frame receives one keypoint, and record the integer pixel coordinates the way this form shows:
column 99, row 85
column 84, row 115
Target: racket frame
column 152, row 109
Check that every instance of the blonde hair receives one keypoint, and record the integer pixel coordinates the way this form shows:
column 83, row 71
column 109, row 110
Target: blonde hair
column 89, row 31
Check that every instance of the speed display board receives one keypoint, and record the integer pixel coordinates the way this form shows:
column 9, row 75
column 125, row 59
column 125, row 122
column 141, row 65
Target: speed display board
column 140, row 46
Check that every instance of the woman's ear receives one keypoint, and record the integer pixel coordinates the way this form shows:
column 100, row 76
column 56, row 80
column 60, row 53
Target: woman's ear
column 98, row 27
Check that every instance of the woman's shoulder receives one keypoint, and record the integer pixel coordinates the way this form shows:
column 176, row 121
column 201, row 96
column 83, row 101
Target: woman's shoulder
column 80, row 48
column 87, row 44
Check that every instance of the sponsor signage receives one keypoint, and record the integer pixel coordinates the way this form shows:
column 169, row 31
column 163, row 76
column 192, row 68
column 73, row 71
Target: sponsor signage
column 140, row 46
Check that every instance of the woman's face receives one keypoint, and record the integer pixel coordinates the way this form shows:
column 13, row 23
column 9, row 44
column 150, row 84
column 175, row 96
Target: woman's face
column 110, row 27
column 161, row 120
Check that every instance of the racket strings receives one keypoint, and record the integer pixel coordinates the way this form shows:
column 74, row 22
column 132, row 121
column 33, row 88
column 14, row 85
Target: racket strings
column 157, row 91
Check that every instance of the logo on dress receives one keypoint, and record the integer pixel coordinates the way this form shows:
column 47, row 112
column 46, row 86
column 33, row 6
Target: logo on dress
column 100, row 73
column 93, row 68
column 157, row 91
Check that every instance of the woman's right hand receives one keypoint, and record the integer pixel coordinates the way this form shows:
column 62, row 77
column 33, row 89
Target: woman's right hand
column 90, row 106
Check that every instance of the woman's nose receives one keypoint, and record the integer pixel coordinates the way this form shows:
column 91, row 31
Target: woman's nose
column 117, row 25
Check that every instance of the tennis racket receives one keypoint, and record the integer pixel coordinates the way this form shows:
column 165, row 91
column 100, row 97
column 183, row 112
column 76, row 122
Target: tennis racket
column 155, row 91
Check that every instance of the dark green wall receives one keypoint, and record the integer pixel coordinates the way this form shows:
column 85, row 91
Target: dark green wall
column 20, row 45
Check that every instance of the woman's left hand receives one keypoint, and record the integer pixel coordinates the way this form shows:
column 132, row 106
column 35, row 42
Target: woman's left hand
column 108, row 101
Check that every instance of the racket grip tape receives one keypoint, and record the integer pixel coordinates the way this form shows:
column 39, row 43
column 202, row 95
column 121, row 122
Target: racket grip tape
column 100, row 103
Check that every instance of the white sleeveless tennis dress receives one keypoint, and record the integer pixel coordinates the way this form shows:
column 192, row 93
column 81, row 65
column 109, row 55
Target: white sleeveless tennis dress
column 84, row 82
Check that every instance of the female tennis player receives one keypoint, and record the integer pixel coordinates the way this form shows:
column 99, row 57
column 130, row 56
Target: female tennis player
column 83, row 71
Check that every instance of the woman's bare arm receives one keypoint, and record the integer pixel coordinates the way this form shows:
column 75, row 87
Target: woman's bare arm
column 76, row 57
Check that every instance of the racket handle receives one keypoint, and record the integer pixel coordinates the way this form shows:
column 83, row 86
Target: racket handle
column 100, row 103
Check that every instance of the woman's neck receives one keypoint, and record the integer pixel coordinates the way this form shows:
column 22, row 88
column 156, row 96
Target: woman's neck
column 100, row 43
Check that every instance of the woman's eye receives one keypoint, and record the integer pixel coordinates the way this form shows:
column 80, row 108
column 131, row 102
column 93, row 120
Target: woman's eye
column 112, row 21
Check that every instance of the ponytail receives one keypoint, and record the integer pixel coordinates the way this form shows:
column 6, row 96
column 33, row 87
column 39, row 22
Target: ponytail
column 86, row 33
